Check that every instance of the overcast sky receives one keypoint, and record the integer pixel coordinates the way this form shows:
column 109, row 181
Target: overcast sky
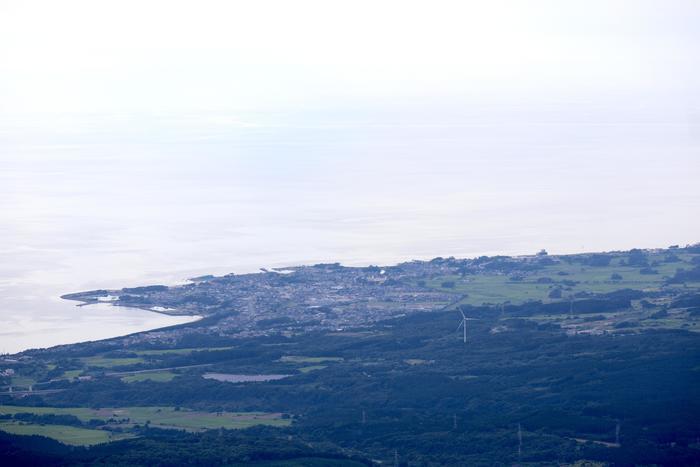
column 161, row 56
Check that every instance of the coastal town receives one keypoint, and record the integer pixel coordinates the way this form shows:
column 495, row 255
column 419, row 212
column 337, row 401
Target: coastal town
column 335, row 298
column 291, row 300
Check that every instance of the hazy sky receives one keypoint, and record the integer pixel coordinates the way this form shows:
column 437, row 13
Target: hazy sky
column 478, row 119
column 161, row 56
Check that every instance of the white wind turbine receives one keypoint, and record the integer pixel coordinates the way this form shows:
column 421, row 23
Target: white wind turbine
column 463, row 325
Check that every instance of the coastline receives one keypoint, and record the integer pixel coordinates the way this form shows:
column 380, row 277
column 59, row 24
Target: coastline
column 138, row 307
column 116, row 329
column 72, row 328
column 88, row 301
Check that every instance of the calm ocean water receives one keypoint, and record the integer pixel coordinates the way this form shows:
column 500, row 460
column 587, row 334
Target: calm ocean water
column 112, row 201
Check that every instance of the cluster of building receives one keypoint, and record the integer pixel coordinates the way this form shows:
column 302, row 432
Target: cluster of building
column 293, row 300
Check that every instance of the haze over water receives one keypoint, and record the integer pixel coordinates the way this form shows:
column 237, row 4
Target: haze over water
column 228, row 136
column 114, row 201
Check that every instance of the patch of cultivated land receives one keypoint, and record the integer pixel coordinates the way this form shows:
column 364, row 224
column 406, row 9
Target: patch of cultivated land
column 75, row 436
column 302, row 359
column 105, row 362
column 236, row 378
column 157, row 376
column 307, row 369
column 22, row 381
column 162, row 417
column 70, row 374
column 312, row 462
column 572, row 278
column 180, row 351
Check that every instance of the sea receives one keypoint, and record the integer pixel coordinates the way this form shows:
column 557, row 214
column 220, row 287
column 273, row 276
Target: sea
column 114, row 200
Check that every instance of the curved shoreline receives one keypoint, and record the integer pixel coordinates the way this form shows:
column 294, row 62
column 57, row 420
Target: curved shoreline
column 137, row 307
column 182, row 320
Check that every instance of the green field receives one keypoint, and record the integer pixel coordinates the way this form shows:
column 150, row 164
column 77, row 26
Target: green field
column 492, row 289
column 302, row 359
column 157, row 376
column 179, row 351
column 70, row 374
column 22, row 381
column 65, row 434
column 307, row 369
column 308, row 462
column 162, row 417
column 499, row 288
column 105, row 362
